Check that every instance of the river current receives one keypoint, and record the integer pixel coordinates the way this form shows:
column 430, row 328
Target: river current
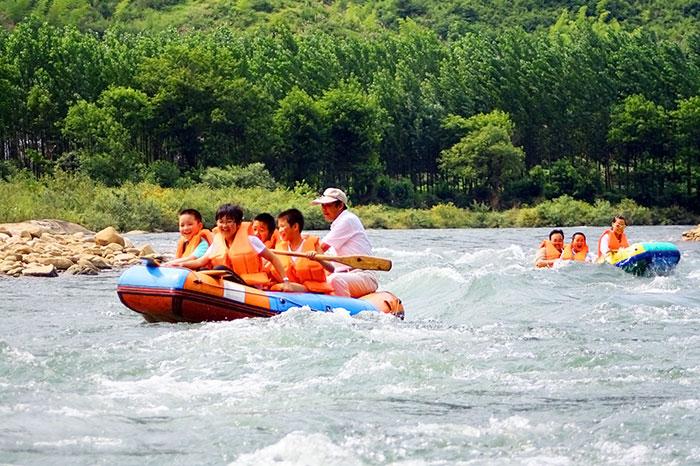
column 495, row 363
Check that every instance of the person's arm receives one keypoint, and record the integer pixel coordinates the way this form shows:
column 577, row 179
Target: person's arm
column 540, row 260
column 195, row 264
column 604, row 245
column 196, row 254
column 325, row 264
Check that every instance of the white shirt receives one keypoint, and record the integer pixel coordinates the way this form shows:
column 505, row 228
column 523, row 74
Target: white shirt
column 256, row 243
column 348, row 236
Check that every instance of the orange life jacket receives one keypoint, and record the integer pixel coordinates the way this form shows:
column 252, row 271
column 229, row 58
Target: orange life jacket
column 186, row 247
column 613, row 243
column 240, row 257
column 308, row 272
column 550, row 252
column 270, row 243
column 568, row 254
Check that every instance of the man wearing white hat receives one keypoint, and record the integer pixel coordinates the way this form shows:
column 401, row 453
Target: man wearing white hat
column 347, row 237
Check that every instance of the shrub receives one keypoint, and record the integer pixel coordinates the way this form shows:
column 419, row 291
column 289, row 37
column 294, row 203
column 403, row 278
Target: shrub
column 163, row 173
column 235, row 176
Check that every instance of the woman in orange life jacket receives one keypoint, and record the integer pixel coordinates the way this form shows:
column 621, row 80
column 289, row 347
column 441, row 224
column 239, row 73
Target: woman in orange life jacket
column 234, row 248
column 577, row 250
column 264, row 228
column 305, row 273
column 550, row 249
column 614, row 238
column 194, row 238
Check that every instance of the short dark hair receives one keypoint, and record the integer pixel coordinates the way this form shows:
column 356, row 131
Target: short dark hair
column 293, row 217
column 554, row 232
column 618, row 217
column 231, row 211
column 193, row 212
column 578, row 233
column 267, row 219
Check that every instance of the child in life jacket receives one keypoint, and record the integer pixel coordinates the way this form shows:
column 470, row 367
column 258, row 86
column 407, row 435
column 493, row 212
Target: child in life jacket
column 194, row 238
column 305, row 273
column 550, row 250
column 264, row 228
column 577, row 250
column 233, row 247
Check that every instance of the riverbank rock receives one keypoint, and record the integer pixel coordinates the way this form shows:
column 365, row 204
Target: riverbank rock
column 692, row 235
column 45, row 248
column 37, row 227
column 108, row 236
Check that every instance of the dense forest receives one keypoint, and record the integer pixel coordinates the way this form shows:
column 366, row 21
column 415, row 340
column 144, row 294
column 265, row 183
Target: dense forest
column 406, row 103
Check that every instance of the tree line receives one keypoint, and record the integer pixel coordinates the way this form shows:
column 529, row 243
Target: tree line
column 402, row 117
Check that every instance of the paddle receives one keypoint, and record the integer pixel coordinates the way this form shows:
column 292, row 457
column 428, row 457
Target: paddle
column 356, row 262
column 151, row 261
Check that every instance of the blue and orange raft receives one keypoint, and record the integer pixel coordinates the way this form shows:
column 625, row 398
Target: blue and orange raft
column 175, row 294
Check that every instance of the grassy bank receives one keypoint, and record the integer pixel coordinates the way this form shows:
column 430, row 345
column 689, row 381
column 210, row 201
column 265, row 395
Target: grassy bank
column 145, row 206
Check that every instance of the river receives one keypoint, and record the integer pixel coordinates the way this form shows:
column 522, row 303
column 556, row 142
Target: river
column 495, row 363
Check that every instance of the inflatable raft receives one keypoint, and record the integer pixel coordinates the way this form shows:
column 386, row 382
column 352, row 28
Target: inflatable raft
column 175, row 294
column 646, row 259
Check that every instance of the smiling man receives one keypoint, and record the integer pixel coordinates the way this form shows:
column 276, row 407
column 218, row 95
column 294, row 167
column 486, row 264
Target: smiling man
column 347, row 237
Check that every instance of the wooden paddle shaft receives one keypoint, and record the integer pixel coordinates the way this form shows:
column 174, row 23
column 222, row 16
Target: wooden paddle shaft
column 356, row 262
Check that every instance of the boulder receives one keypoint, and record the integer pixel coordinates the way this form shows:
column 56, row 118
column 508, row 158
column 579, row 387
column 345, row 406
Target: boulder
column 99, row 262
column 4, row 236
column 136, row 232
column 36, row 270
column 108, row 236
column 113, row 247
column 86, row 264
column 125, row 258
column 79, row 269
column 147, row 250
column 23, row 249
column 7, row 266
column 60, row 227
column 61, row 263
column 16, row 272
column 692, row 235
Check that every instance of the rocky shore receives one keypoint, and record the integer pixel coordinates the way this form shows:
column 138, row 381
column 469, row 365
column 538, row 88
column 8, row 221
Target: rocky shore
column 692, row 235
column 46, row 248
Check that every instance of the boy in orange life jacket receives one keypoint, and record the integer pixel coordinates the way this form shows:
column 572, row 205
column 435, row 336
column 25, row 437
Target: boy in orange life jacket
column 264, row 228
column 550, row 250
column 304, row 273
column 194, row 238
column 614, row 238
column 234, row 248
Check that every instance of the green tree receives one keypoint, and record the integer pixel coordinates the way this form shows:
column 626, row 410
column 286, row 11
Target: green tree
column 301, row 139
column 686, row 122
column 101, row 144
column 639, row 135
column 485, row 155
column 353, row 121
